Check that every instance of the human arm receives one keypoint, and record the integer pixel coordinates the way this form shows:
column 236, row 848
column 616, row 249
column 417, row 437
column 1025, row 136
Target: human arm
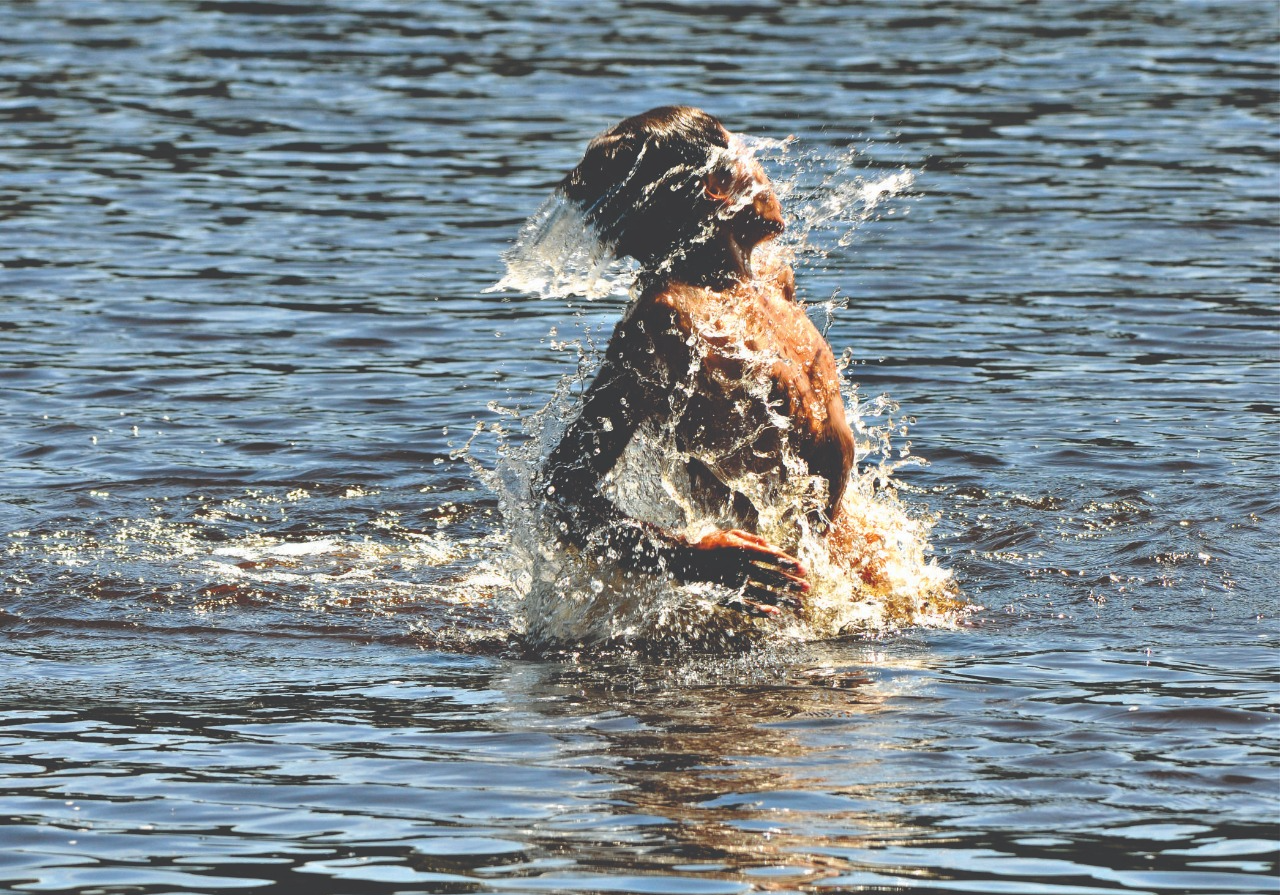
column 648, row 357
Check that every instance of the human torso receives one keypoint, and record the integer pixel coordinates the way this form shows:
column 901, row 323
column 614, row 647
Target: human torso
column 757, row 409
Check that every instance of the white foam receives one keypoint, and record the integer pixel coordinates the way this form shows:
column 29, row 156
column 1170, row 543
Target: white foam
column 558, row 254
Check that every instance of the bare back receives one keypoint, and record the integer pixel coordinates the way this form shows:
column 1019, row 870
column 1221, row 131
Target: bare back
column 755, row 383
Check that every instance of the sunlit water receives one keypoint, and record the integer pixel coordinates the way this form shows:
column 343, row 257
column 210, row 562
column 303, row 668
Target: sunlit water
column 249, row 578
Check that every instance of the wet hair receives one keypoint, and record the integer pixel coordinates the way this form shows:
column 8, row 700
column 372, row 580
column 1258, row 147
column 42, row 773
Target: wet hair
column 640, row 183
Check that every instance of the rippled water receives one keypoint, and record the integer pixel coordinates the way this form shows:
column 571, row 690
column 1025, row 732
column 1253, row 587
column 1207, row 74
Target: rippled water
column 249, row 633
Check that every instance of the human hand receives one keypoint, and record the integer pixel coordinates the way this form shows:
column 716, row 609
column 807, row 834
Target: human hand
column 765, row 576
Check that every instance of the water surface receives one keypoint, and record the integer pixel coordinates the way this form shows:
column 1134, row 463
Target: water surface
column 247, row 629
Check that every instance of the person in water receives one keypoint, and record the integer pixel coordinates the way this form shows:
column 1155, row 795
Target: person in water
column 714, row 350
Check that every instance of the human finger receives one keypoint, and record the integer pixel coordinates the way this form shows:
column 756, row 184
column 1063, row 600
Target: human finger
column 758, row 548
column 752, row 547
column 769, row 555
column 777, row 578
column 771, row 598
column 755, row 608
column 740, row 536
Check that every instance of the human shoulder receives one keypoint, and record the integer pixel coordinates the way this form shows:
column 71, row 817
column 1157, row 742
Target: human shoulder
column 656, row 322
column 671, row 297
column 670, row 308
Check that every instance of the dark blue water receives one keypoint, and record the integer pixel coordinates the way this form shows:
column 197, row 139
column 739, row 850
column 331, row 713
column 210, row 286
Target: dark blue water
column 247, row 604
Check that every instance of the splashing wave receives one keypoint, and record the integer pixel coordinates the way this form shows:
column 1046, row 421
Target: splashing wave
column 871, row 571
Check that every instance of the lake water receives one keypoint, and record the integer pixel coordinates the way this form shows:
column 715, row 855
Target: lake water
column 250, row 632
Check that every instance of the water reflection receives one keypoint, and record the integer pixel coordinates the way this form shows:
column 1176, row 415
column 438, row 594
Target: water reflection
column 719, row 765
column 895, row 764
column 893, row 770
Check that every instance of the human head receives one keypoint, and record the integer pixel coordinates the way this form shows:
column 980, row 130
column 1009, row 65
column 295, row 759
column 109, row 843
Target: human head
column 659, row 182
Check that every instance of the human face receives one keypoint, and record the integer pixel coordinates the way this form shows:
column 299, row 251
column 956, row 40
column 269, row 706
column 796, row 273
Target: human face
column 747, row 198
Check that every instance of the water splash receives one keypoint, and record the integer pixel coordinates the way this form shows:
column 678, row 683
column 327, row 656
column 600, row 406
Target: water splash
column 253, row 562
column 558, row 254
column 871, row 572
column 829, row 200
